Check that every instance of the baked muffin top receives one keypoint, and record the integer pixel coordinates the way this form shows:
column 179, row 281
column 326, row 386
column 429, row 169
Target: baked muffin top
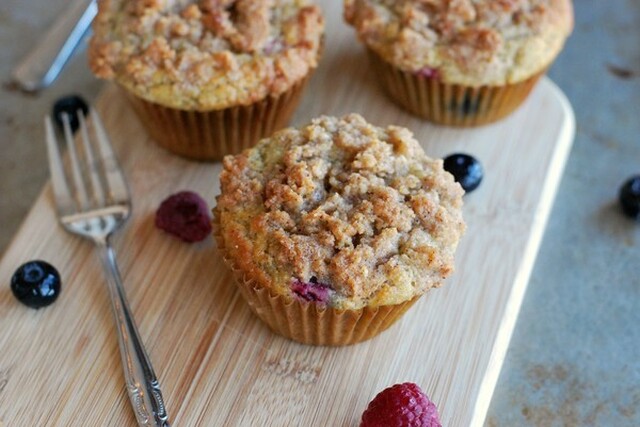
column 468, row 42
column 207, row 54
column 340, row 212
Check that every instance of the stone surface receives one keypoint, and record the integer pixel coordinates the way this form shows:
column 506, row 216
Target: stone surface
column 573, row 359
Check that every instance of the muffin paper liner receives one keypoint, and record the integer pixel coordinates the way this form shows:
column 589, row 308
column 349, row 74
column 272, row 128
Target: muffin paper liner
column 210, row 135
column 451, row 104
column 306, row 322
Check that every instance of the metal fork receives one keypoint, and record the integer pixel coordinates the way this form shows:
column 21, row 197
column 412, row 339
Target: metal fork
column 95, row 208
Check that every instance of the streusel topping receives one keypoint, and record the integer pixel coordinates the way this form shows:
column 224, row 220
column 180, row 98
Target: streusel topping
column 207, row 54
column 470, row 42
column 358, row 212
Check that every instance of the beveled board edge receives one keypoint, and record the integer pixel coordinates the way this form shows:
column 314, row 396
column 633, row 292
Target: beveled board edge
column 514, row 303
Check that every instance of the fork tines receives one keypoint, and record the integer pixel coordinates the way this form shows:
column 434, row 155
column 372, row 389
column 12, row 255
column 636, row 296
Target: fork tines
column 96, row 180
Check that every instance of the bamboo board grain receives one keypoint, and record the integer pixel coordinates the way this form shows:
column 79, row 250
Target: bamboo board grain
column 218, row 365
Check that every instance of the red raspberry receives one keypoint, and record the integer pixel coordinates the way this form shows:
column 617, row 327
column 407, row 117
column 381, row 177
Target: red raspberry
column 401, row 405
column 311, row 291
column 185, row 215
column 430, row 73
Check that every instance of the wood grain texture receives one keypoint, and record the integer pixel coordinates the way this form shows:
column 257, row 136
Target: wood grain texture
column 217, row 363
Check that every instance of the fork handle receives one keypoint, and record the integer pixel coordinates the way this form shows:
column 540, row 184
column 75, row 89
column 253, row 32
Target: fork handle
column 142, row 385
column 43, row 64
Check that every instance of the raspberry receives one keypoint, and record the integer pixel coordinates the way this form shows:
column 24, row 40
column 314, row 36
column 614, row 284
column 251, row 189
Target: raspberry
column 185, row 215
column 401, row 405
column 311, row 291
column 428, row 72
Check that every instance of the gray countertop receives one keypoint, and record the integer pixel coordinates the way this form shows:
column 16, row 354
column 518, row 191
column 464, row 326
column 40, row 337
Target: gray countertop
column 574, row 359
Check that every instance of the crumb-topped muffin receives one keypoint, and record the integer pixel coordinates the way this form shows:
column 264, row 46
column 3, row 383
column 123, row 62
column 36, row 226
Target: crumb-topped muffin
column 470, row 43
column 209, row 55
column 339, row 215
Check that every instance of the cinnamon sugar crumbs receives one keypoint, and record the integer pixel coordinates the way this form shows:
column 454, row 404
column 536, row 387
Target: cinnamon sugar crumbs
column 206, row 54
column 357, row 207
column 471, row 42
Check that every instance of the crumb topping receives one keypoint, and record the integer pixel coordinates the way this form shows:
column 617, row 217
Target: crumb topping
column 206, row 54
column 357, row 208
column 468, row 41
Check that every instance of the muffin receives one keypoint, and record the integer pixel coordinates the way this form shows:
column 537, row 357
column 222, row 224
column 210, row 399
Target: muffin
column 335, row 229
column 211, row 77
column 461, row 62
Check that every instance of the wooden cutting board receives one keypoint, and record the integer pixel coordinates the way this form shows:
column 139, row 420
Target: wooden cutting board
column 217, row 363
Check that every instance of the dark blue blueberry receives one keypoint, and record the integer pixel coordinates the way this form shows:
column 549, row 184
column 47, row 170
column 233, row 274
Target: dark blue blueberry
column 630, row 197
column 36, row 284
column 465, row 169
column 70, row 105
column 469, row 105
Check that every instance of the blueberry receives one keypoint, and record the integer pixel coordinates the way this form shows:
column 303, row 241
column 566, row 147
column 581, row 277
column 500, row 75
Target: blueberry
column 36, row 284
column 465, row 169
column 70, row 105
column 469, row 105
column 630, row 197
